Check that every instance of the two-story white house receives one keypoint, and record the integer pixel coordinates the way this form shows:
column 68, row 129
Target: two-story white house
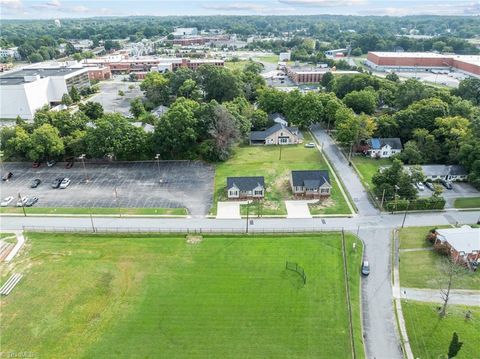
column 384, row 147
column 278, row 134
column 245, row 187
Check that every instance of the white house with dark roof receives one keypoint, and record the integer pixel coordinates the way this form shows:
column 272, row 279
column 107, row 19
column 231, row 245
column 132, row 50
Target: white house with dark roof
column 245, row 187
column 451, row 173
column 384, row 147
column 278, row 118
column 315, row 183
column 278, row 134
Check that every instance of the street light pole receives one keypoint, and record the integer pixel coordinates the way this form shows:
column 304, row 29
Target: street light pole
column 116, row 199
column 157, row 157
column 82, row 157
column 405, row 216
column 23, row 204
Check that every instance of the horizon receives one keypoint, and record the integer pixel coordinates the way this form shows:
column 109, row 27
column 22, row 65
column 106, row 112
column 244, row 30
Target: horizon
column 56, row 9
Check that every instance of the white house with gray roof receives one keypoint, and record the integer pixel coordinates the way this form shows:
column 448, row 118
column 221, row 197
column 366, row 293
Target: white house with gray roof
column 384, row 147
column 450, row 173
column 314, row 183
column 278, row 134
column 463, row 242
column 245, row 187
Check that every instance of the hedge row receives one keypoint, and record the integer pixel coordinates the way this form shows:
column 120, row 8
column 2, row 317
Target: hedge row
column 416, row 205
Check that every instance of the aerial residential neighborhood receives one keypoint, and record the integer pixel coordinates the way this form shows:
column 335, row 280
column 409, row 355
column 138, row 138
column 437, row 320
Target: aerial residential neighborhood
column 278, row 179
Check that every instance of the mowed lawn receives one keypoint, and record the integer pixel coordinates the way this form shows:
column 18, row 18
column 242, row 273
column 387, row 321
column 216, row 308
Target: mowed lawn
column 422, row 268
column 92, row 296
column 266, row 161
column 430, row 335
column 467, row 202
column 368, row 167
column 97, row 211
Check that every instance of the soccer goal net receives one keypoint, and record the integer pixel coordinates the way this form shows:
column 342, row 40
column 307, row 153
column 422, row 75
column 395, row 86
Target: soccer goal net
column 296, row 268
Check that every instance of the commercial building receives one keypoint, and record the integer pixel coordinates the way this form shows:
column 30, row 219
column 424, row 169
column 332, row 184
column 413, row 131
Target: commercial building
column 99, row 73
column 302, row 75
column 427, row 61
column 185, row 31
column 25, row 91
column 125, row 64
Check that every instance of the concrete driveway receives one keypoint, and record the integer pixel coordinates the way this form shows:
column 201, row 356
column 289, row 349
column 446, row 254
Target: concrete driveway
column 229, row 210
column 298, row 209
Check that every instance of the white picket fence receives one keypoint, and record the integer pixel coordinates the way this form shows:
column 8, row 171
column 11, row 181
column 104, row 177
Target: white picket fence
column 10, row 284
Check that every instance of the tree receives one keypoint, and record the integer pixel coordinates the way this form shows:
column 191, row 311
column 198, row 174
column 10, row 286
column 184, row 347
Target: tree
column 66, row 99
column 304, row 110
column 133, row 77
column 361, row 101
column 224, row 133
column 451, row 271
column 156, row 88
column 74, row 94
column 259, row 120
column 271, row 100
column 357, row 51
column 219, row 83
column 451, row 132
column 45, row 142
column 393, row 181
column 189, row 89
column 455, row 346
column 136, row 107
column 469, row 89
column 392, row 76
column 410, row 91
column 411, row 154
column 327, row 80
column 121, row 93
column 348, row 83
column 93, row 110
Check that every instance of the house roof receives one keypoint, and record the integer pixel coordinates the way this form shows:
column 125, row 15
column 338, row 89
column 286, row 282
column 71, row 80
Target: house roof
column 464, row 239
column 159, row 110
column 245, row 183
column 377, row 143
column 311, row 179
column 262, row 135
column 443, row 170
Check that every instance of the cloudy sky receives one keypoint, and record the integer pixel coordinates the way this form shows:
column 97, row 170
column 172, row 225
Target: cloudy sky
column 46, row 9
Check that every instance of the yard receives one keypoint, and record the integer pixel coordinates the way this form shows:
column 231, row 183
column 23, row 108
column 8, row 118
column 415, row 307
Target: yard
column 160, row 297
column 265, row 161
column 367, row 167
column 430, row 336
column 420, row 268
column 467, row 202
column 97, row 211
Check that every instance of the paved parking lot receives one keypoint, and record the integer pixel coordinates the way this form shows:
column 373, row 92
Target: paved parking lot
column 459, row 190
column 185, row 184
column 110, row 100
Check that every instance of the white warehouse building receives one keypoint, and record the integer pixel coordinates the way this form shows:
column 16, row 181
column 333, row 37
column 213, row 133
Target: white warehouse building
column 25, row 91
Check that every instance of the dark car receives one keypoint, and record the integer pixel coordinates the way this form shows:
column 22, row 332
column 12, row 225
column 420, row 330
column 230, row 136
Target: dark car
column 446, row 184
column 365, row 268
column 430, row 186
column 31, row 201
column 69, row 162
column 35, row 183
column 7, row 176
column 36, row 164
column 56, row 182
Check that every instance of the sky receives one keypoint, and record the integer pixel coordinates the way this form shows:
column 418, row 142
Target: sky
column 53, row 9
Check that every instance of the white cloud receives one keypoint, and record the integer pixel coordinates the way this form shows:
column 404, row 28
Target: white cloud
column 78, row 9
column 324, row 3
column 11, row 4
column 54, row 3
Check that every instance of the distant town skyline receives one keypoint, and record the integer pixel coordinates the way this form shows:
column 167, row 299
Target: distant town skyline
column 52, row 9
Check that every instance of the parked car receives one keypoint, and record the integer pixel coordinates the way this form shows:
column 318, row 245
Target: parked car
column 365, row 268
column 51, row 163
column 56, row 182
column 21, row 202
column 6, row 201
column 69, row 162
column 7, row 176
column 430, row 186
column 35, row 183
column 36, row 164
column 65, row 183
column 310, row 145
column 420, row 186
column 31, row 201
column 446, row 184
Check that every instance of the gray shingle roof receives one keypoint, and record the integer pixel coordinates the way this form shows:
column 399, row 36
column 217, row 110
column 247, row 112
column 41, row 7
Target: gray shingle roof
column 245, row 183
column 262, row 135
column 443, row 170
column 311, row 179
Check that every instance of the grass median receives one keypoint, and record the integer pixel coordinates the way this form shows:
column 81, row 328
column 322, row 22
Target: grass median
column 96, row 211
column 467, row 202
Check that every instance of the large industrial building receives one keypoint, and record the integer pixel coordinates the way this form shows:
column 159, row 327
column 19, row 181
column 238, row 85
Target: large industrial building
column 427, row 61
column 304, row 75
column 25, row 91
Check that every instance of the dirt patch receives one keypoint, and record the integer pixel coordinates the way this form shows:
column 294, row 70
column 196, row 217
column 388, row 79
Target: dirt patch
column 193, row 239
column 323, row 203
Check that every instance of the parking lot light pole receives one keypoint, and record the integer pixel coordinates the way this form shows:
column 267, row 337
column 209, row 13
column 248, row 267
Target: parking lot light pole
column 157, row 158
column 23, row 204
column 82, row 157
column 116, row 199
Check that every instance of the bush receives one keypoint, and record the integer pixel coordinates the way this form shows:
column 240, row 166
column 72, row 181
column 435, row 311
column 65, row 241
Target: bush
column 416, row 205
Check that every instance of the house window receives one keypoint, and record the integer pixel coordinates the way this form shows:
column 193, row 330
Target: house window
column 233, row 193
column 384, row 153
column 258, row 193
column 324, row 190
column 283, row 140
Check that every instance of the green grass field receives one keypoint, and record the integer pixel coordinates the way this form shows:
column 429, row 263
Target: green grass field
column 421, row 269
column 236, row 65
column 92, row 296
column 264, row 161
column 97, row 211
column 368, row 167
column 430, row 335
column 467, row 202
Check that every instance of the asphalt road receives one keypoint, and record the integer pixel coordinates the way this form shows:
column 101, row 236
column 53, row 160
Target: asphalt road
column 345, row 172
column 462, row 297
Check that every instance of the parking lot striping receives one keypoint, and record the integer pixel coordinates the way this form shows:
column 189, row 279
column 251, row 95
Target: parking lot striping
column 190, row 185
